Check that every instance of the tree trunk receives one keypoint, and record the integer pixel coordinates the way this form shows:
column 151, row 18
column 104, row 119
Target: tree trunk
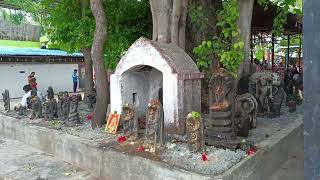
column 88, row 80
column 204, row 29
column 169, row 21
column 97, row 52
column 244, row 22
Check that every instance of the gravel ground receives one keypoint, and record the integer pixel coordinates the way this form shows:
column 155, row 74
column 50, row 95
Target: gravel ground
column 219, row 160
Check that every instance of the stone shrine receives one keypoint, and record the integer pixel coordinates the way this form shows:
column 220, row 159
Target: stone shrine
column 219, row 129
column 36, row 105
column 155, row 71
column 50, row 105
column 154, row 123
column 63, row 105
column 6, row 100
column 129, row 120
column 195, row 132
column 73, row 116
column 267, row 89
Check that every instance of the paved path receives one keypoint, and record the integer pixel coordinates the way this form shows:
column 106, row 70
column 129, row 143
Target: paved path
column 22, row 162
column 293, row 168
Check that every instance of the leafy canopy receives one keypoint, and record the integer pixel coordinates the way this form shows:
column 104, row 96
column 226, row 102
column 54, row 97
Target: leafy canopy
column 228, row 46
column 70, row 23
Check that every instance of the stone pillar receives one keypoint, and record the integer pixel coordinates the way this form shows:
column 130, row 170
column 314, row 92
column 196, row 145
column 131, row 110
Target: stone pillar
column 311, row 44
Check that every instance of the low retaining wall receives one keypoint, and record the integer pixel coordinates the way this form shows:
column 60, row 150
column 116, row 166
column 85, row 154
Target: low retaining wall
column 109, row 164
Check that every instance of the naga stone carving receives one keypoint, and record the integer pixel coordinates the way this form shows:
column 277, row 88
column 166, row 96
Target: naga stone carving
column 219, row 128
column 73, row 112
column 194, row 132
column 36, row 105
column 50, row 105
column 129, row 120
column 63, row 105
column 6, row 100
column 154, row 122
column 246, row 114
column 267, row 89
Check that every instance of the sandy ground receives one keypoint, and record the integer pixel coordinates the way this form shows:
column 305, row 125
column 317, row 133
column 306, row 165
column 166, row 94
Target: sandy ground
column 22, row 162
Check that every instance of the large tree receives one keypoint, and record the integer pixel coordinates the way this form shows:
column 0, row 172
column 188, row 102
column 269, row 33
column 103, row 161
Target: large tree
column 97, row 54
column 244, row 23
column 75, row 33
column 169, row 21
column 69, row 23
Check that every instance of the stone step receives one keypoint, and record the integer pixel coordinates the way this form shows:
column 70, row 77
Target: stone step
column 208, row 130
column 219, row 123
column 220, row 115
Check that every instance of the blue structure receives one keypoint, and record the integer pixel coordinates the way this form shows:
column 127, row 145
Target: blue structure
column 12, row 51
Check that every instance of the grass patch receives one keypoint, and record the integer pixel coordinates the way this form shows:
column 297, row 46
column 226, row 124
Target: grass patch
column 22, row 44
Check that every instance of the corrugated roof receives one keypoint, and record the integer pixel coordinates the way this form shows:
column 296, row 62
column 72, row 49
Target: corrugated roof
column 7, row 51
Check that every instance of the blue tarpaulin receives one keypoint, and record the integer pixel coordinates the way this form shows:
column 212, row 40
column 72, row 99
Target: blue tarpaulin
column 35, row 52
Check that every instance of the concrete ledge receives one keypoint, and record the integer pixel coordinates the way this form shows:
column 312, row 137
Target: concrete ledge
column 109, row 164
column 273, row 152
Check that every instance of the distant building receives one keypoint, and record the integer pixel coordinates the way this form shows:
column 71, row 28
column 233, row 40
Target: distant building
column 52, row 67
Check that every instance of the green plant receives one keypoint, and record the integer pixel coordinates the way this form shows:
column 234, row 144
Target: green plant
column 195, row 115
column 228, row 46
column 284, row 7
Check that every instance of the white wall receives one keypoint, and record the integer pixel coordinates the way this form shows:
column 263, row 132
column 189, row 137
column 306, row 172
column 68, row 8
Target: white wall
column 56, row 75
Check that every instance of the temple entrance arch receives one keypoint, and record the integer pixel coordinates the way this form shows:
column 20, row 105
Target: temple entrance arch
column 141, row 84
column 155, row 71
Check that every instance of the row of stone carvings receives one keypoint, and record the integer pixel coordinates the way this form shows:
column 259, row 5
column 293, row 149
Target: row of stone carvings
column 66, row 108
column 231, row 115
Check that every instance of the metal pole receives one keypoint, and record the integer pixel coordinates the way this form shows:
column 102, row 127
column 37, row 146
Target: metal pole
column 311, row 71
column 251, row 49
column 272, row 58
column 288, row 53
column 299, row 54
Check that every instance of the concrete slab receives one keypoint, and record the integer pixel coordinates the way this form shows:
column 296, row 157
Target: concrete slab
column 107, row 163
column 19, row 161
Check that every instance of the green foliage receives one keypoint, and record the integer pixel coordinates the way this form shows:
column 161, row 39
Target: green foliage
column 31, row 6
column 199, row 17
column 127, row 21
column 284, row 7
column 228, row 46
column 293, row 42
column 16, row 17
column 70, row 24
column 204, row 52
column 260, row 54
column 195, row 115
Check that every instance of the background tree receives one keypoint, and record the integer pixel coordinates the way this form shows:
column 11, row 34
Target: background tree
column 75, row 33
column 169, row 21
column 127, row 21
column 69, row 23
column 97, row 54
